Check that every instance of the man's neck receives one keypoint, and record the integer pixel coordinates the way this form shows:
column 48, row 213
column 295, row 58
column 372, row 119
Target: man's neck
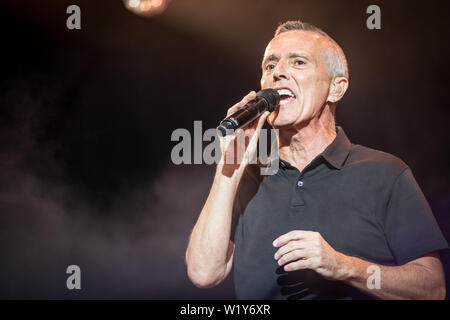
column 299, row 146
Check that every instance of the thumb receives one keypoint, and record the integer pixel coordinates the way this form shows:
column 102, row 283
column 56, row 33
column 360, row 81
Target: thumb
column 262, row 118
column 253, row 141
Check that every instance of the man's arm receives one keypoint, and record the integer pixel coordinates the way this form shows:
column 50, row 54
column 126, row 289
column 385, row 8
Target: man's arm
column 422, row 278
column 209, row 255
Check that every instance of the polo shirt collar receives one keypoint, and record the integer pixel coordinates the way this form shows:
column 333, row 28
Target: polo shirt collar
column 335, row 154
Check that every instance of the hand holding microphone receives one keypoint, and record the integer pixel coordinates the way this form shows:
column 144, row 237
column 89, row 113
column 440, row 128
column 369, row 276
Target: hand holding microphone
column 241, row 151
column 265, row 100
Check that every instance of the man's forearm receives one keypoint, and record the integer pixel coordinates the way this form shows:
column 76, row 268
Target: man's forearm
column 409, row 281
column 208, row 250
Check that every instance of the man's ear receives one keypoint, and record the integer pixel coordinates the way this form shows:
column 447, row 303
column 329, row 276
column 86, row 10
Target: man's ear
column 337, row 89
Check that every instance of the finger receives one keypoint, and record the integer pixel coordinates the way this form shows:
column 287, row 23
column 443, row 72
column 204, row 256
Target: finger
column 249, row 97
column 256, row 128
column 258, row 122
column 293, row 256
column 299, row 265
column 262, row 119
column 295, row 235
column 250, row 128
column 294, row 245
column 255, row 136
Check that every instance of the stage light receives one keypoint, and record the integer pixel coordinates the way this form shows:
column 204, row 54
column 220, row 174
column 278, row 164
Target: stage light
column 146, row 8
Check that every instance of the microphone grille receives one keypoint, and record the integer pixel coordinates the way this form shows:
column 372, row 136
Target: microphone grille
column 271, row 96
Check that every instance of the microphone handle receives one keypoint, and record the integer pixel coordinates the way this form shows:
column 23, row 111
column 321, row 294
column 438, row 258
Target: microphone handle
column 243, row 116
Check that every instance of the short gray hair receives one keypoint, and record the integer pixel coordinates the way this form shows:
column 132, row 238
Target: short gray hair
column 336, row 61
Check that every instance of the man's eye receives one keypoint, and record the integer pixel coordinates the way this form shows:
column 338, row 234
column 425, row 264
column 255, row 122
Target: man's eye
column 299, row 62
column 270, row 67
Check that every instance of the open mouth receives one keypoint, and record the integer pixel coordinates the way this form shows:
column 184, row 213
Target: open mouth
column 286, row 96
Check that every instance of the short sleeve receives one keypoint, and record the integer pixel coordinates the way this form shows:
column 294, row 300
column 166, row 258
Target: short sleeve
column 410, row 226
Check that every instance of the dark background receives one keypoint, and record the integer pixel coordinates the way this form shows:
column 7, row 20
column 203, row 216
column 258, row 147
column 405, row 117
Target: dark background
column 86, row 118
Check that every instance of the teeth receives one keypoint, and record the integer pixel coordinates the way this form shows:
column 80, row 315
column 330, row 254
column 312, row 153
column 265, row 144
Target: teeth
column 286, row 92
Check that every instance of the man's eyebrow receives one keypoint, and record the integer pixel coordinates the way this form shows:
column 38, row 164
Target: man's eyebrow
column 272, row 57
column 299, row 55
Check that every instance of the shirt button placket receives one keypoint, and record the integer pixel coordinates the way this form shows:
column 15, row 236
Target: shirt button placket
column 297, row 197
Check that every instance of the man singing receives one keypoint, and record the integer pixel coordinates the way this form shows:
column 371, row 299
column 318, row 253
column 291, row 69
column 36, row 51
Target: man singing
column 334, row 215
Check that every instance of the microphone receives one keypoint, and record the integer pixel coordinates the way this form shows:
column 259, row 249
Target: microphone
column 266, row 99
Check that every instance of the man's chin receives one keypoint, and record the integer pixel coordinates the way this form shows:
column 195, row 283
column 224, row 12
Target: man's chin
column 278, row 123
column 277, row 120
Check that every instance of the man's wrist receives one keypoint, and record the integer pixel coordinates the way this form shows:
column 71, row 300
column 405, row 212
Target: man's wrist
column 231, row 171
column 347, row 268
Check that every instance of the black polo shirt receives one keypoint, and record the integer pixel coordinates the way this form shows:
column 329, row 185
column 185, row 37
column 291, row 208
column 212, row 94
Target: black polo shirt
column 365, row 203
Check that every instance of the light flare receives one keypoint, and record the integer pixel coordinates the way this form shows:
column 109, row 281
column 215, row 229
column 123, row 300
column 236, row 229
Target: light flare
column 146, row 8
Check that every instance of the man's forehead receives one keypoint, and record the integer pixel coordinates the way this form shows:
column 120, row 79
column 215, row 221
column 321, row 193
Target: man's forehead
column 297, row 40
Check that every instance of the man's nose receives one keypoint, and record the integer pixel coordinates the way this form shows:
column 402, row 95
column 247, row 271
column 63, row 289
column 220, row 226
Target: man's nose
column 280, row 72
